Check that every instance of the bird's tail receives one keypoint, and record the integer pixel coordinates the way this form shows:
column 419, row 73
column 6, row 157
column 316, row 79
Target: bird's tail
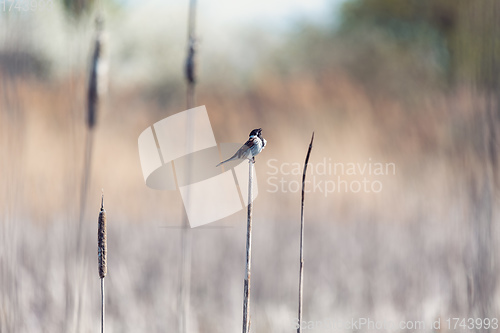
column 229, row 159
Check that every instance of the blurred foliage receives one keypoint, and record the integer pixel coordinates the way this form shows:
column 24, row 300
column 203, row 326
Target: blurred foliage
column 480, row 43
column 24, row 63
column 76, row 8
column 461, row 36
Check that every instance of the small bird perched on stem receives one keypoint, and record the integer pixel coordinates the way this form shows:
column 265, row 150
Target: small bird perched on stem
column 251, row 148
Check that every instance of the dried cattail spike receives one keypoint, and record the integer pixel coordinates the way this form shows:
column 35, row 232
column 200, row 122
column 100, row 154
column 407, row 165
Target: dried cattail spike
column 98, row 73
column 102, row 247
column 190, row 62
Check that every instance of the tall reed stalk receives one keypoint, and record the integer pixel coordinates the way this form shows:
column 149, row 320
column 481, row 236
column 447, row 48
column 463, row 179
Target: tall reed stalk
column 186, row 237
column 246, row 292
column 301, row 271
column 97, row 88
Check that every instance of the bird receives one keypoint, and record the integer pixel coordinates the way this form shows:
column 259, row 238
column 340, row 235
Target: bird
column 251, row 148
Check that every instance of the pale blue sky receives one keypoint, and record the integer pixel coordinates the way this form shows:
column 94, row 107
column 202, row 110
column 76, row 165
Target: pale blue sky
column 272, row 13
column 232, row 34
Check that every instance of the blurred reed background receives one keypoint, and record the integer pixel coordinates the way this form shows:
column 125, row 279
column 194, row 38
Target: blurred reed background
column 414, row 83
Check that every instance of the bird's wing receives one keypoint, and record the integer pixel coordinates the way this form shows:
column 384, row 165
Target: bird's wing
column 243, row 151
column 250, row 143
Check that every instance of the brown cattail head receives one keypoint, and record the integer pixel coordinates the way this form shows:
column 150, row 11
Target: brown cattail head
column 98, row 73
column 102, row 247
column 190, row 69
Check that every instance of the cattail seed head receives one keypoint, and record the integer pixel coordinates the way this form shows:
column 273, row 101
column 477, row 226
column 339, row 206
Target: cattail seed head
column 97, row 86
column 190, row 67
column 102, row 247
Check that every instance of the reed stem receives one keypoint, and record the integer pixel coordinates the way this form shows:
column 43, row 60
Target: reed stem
column 301, row 273
column 246, row 293
column 102, row 305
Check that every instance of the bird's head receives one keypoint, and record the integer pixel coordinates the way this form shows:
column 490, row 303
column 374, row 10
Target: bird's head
column 256, row 132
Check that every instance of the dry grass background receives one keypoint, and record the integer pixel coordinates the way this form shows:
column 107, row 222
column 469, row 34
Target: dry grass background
column 403, row 254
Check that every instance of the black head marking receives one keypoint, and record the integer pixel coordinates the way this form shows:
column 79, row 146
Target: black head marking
column 256, row 132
